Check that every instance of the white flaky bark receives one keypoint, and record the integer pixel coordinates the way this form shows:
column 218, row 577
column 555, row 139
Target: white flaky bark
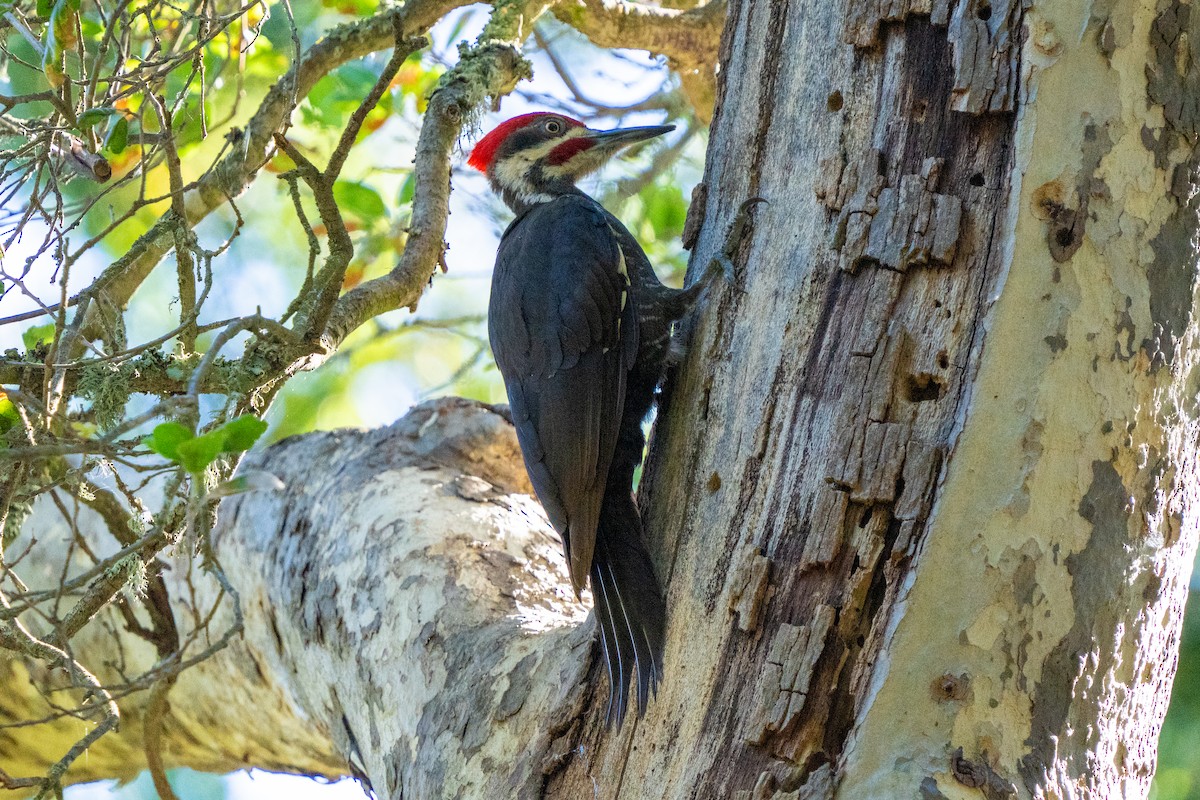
column 1049, row 591
column 407, row 616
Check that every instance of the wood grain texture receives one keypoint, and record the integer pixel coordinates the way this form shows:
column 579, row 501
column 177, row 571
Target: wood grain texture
column 898, row 408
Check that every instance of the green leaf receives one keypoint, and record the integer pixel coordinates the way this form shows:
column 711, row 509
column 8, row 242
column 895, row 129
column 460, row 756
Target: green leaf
column 166, row 439
column 94, row 116
column 64, row 22
column 44, row 7
column 355, row 80
column 38, row 334
column 52, row 55
column 9, row 418
column 241, row 433
column 91, row 28
column 196, row 454
column 407, row 189
column 665, row 209
column 360, row 200
column 177, row 443
column 117, row 137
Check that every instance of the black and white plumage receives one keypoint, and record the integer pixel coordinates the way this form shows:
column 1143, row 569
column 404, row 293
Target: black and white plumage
column 580, row 327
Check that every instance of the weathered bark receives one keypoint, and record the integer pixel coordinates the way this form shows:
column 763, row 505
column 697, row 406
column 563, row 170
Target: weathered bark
column 922, row 491
column 923, row 495
column 407, row 616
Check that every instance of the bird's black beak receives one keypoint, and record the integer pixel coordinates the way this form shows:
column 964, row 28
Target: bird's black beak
column 614, row 139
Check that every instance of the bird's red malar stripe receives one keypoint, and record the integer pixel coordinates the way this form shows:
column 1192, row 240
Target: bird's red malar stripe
column 568, row 150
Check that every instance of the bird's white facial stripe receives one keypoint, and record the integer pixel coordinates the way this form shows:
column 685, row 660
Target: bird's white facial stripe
column 511, row 175
column 511, row 172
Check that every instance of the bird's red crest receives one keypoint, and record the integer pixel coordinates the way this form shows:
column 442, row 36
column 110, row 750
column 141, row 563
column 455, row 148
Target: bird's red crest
column 485, row 150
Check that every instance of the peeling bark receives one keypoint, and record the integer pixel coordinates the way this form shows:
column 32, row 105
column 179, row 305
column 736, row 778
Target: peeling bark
column 407, row 618
column 923, row 495
column 949, row 407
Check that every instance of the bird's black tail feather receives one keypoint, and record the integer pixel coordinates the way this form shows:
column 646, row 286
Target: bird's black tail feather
column 629, row 607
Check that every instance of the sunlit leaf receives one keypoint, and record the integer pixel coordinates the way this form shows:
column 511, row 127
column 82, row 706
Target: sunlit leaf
column 197, row 453
column 665, row 208
column 241, row 433
column 52, row 64
column 85, row 430
column 64, row 20
column 177, row 443
column 360, row 200
column 166, row 439
column 9, row 417
column 38, row 334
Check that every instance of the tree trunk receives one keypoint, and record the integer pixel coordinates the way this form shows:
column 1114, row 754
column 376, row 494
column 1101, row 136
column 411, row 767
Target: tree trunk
column 924, row 491
column 922, row 494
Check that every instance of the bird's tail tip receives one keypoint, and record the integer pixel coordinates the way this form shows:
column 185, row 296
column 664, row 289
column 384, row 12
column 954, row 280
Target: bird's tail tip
column 632, row 618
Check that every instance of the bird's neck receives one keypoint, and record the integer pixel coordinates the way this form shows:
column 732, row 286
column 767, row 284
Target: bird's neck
column 527, row 186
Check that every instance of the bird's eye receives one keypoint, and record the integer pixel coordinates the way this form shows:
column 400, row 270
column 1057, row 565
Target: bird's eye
column 553, row 126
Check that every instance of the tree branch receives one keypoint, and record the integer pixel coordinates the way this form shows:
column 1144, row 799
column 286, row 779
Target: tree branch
column 492, row 70
column 251, row 147
column 689, row 38
column 457, row 587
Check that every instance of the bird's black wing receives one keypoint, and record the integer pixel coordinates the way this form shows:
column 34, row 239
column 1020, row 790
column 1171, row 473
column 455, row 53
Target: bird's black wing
column 564, row 334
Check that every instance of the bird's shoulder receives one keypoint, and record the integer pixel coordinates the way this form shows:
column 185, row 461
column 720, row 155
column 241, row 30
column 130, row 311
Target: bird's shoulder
column 571, row 216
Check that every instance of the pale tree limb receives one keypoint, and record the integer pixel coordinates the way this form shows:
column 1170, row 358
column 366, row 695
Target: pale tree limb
column 689, row 39
column 406, row 608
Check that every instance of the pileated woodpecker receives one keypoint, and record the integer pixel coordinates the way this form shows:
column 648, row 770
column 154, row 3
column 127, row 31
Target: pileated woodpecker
column 581, row 329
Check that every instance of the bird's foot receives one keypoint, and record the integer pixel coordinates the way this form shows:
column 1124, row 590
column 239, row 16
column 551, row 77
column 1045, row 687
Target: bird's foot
column 721, row 266
column 722, row 263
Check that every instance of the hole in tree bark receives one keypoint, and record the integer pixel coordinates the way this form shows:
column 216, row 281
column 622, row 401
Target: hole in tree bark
column 976, row 179
column 834, row 103
column 923, row 387
column 984, row 11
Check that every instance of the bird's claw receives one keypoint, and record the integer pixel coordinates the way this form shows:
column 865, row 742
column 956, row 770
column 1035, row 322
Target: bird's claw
column 748, row 205
column 728, row 270
column 738, row 231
